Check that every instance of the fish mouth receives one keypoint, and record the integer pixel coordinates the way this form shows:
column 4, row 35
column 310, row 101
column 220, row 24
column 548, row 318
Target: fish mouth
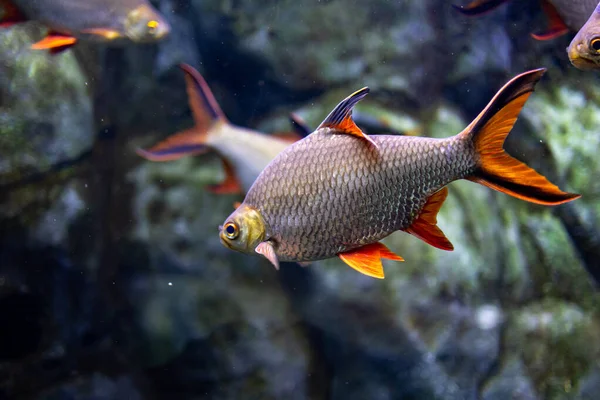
column 580, row 62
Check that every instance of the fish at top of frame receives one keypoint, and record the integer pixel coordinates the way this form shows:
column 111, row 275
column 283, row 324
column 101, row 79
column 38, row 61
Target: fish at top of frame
column 338, row 192
column 110, row 21
column 584, row 50
column 244, row 152
column 563, row 15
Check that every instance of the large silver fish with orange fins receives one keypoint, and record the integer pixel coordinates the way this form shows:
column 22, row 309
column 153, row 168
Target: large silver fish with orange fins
column 563, row 15
column 110, row 21
column 338, row 192
column 243, row 152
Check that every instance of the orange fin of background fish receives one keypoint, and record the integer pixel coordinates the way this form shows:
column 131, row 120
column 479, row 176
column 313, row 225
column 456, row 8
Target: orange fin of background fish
column 340, row 119
column 185, row 143
column 556, row 25
column 204, row 106
column 479, row 7
column 109, row 34
column 231, row 184
column 236, row 205
column 497, row 169
column 54, row 41
column 367, row 259
column 425, row 226
column 299, row 125
column 10, row 14
column 266, row 249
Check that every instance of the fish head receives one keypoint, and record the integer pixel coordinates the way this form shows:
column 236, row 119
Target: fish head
column 584, row 50
column 145, row 24
column 243, row 230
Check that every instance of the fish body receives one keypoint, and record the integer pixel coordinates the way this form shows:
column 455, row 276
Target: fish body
column 112, row 21
column 338, row 191
column 584, row 49
column 243, row 152
column 331, row 193
column 574, row 13
column 563, row 15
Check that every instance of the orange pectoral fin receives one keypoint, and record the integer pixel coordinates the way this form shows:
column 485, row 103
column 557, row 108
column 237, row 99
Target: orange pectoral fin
column 425, row 228
column 556, row 27
column 479, row 7
column 367, row 259
column 185, row 143
column 108, row 34
column 231, row 184
column 340, row 119
column 54, row 41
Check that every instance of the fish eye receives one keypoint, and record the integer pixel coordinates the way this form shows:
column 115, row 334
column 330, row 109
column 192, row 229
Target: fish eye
column 152, row 25
column 231, row 230
column 595, row 44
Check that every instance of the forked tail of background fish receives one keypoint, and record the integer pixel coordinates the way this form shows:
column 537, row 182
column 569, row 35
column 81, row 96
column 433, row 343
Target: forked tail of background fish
column 209, row 120
column 495, row 168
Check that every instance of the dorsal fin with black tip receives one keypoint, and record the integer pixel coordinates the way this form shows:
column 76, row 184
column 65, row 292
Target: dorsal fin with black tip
column 299, row 125
column 340, row 119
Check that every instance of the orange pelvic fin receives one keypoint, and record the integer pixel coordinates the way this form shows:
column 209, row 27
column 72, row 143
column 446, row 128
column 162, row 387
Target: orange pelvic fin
column 340, row 119
column 497, row 169
column 479, row 7
column 367, row 259
column 108, row 34
column 425, row 226
column 55, row 42
column 556, row 26
column 266, row 249
column 10, row 14
column 206, row 113
column 231, row 184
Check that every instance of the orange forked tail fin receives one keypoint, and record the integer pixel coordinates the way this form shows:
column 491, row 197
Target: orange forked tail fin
column 495, row 168
column 206, row 113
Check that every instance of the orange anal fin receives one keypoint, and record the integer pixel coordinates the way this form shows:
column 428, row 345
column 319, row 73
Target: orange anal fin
column 185, row 143
column 231, row 184
column 556, row 26
column 54, row 42
column 425, row 226
column 367, row 259
column 340, row 119
column 479, row 7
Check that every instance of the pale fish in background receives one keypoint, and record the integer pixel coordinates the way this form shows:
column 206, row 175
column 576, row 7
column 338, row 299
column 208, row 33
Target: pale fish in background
column 243, row 152
column 111, row 21
column 563, row 15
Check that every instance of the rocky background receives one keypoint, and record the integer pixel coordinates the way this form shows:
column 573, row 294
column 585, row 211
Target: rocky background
column 113, row 283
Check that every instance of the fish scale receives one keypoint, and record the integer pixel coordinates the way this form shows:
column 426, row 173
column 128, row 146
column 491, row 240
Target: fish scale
column 362, row 194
